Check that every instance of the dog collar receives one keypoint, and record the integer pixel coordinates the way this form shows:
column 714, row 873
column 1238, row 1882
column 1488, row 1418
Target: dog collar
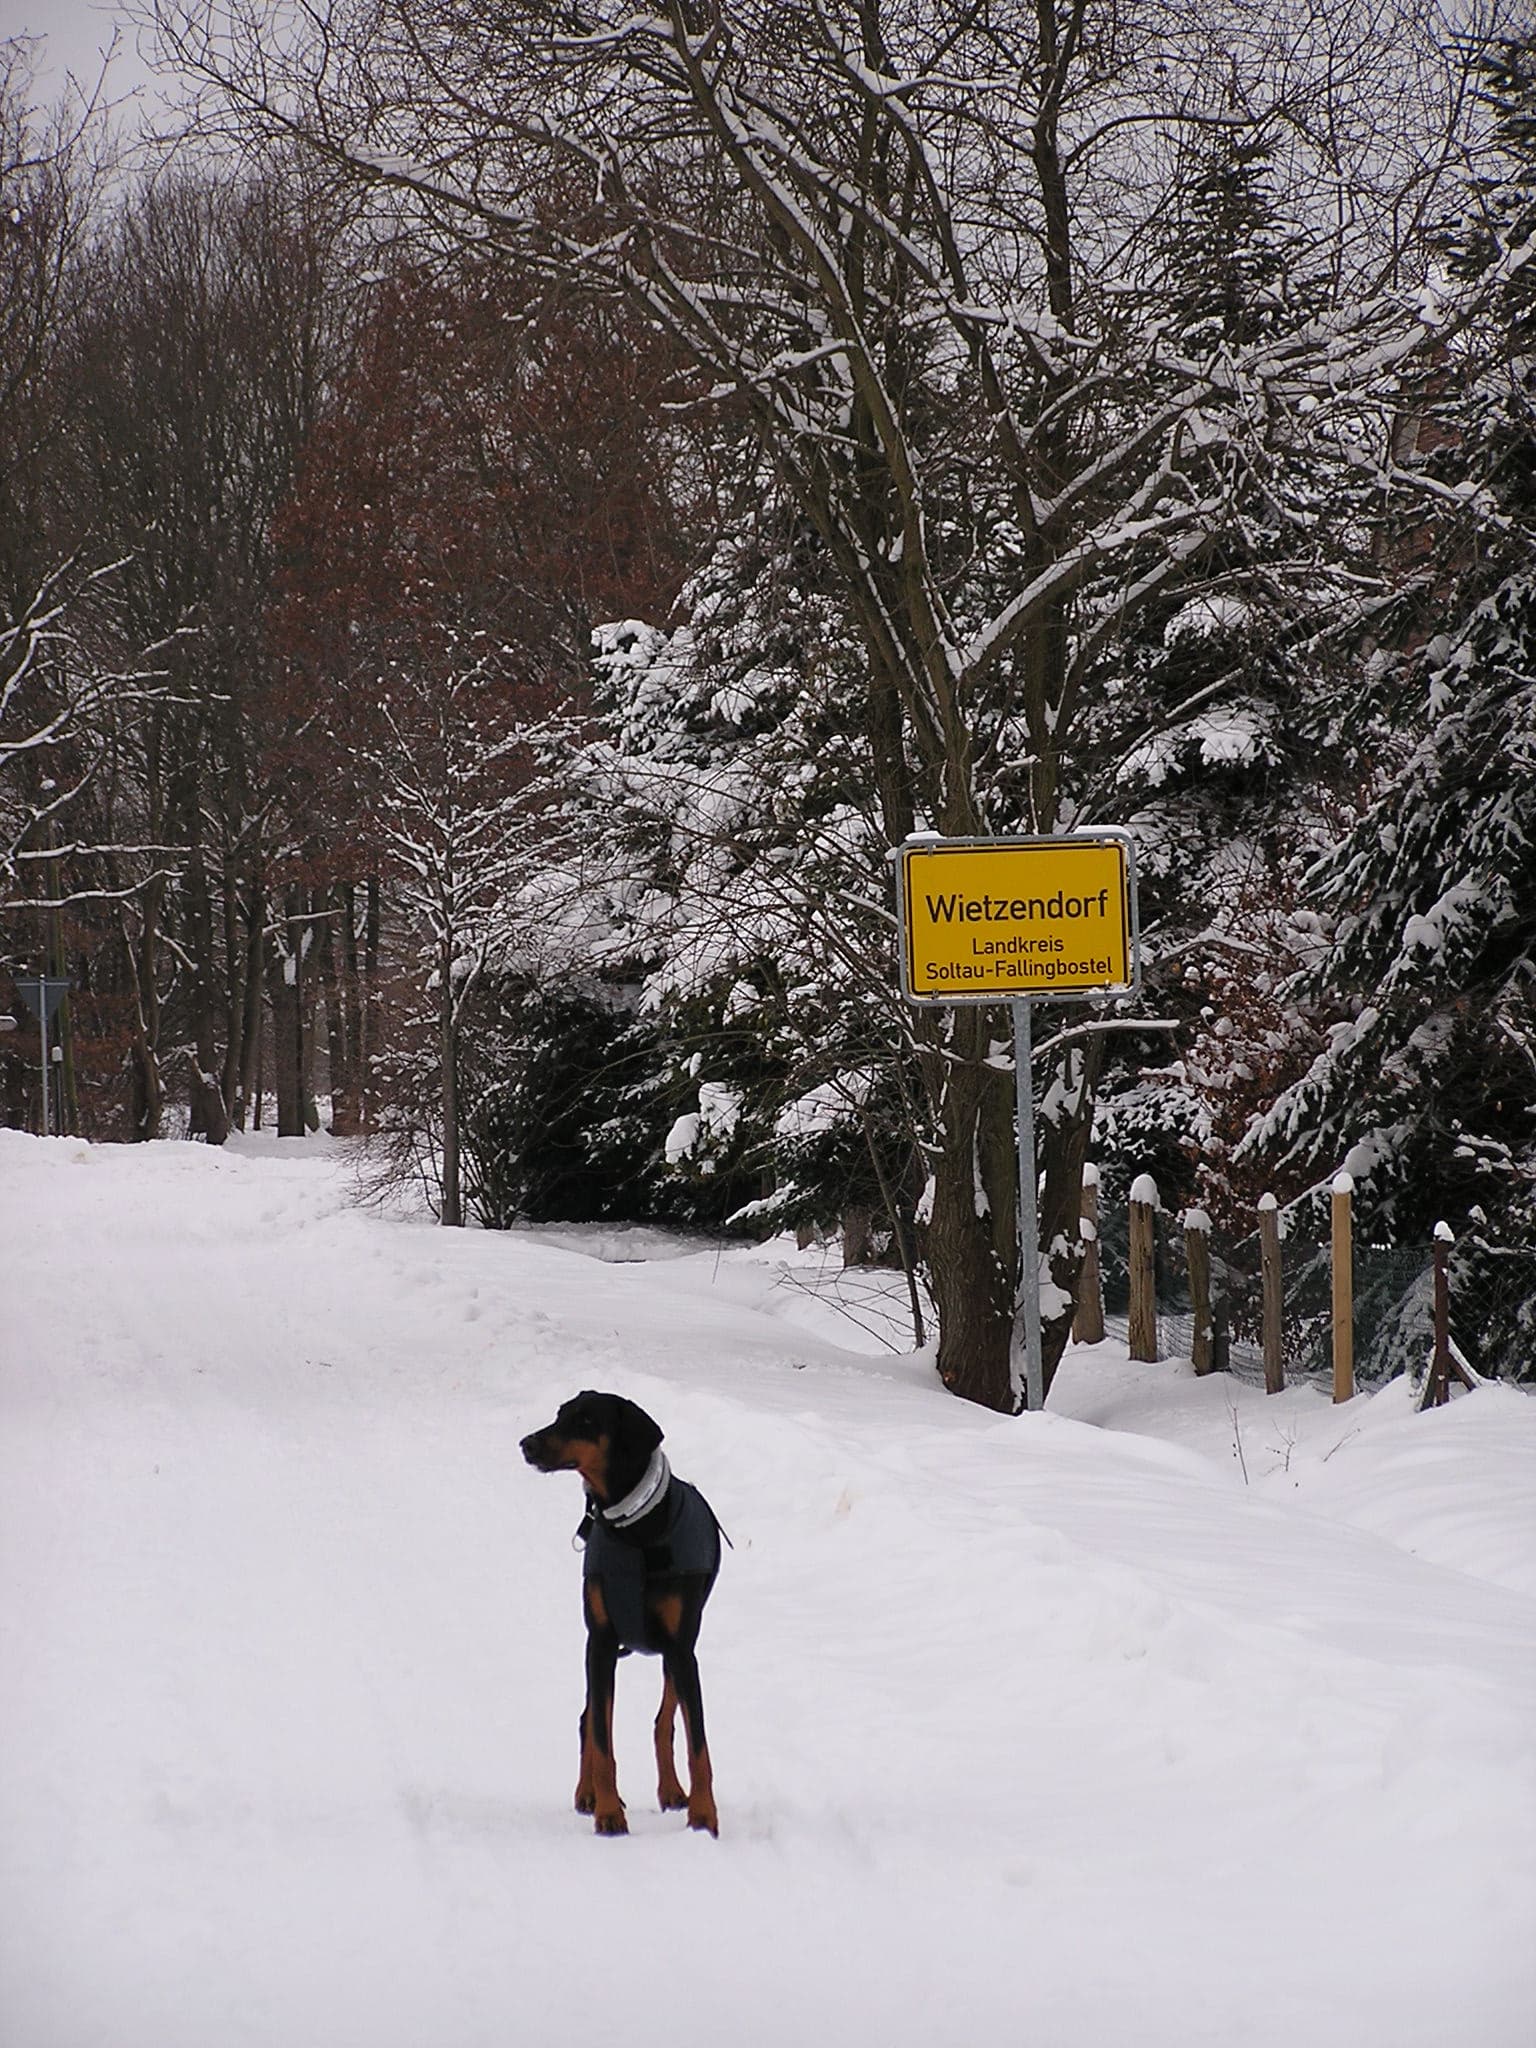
column 642, row 1498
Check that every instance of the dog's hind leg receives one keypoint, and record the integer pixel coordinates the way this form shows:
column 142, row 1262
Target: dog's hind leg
column 676, row 1622
column 684, row 1666
column 670, row 1795
column 586, row 1797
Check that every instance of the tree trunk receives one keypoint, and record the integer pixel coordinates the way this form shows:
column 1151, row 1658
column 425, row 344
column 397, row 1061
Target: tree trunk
column 236, row 974
column 858, row 1234
column 337, row 977
column 1197, row 1257
column 972, row 1238
column 345, row 1016
column 451, row 1212
column 208, row 1114
column 55, row 963
column 898, row 1208
column 369, row 1034
column 1088, row 1321
column 247, row 1092
column 1272, row 1282
column 147, row 1089
column 303, row 944
column 285, row 968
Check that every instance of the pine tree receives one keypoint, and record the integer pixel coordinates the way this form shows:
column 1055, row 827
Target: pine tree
column 1427, row 1087
column 743, row 890
column 1215, row 716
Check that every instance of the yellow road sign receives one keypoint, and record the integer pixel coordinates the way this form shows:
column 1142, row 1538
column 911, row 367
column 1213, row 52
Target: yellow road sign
column 985, row 920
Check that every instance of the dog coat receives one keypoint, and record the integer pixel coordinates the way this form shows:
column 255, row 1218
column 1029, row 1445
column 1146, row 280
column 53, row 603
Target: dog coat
column 678, row 1538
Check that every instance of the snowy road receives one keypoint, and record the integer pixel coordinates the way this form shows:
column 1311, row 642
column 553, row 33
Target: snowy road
column 1053, row 1728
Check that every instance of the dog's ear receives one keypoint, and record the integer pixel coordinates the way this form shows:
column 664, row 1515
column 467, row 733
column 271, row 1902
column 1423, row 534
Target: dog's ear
column 632, row 1436
column 631, row 1439
column 636, row 1435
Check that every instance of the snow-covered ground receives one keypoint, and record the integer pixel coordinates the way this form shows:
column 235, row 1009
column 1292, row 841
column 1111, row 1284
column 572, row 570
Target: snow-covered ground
column 1171, row 1717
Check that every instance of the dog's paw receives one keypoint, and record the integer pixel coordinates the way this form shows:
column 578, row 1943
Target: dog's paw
column 671, row 1798
column 704, row 1817
column 611, row 1823
column 585, row 1800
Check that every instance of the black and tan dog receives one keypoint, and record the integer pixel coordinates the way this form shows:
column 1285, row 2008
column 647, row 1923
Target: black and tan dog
column 652, row 1554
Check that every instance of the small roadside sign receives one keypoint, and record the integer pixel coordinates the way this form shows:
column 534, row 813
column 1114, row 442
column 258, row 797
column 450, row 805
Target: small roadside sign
column 42, row 994
column 1019, row 921
column 989, row 920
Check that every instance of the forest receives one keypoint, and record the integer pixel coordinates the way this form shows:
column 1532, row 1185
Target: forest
column 512, row 513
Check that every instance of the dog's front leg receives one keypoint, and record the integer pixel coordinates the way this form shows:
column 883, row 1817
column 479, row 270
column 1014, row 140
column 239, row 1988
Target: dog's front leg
column 599, row 1776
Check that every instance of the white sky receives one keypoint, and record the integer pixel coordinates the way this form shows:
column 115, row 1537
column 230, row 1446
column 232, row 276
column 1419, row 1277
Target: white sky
column 78, row 32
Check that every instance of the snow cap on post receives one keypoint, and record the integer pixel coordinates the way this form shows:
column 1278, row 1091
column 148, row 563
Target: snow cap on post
column 1197, row 1219
column 1343, row 1184
column 1141, row 1332
column 1444, row 1234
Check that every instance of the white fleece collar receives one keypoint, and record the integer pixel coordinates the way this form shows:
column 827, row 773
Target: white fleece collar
column 642, row 1498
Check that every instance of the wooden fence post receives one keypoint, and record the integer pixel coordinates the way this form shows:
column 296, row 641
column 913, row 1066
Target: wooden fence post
column 1274, row 1297
column 1197, row 1256
column 1440, row 1367
column 1143, row 1326
column 1088, row 1322
column 1343, row 1289
column 1447, row 1362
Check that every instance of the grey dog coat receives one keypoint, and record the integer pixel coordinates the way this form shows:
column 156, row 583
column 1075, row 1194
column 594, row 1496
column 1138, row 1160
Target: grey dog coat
column 681, row 1540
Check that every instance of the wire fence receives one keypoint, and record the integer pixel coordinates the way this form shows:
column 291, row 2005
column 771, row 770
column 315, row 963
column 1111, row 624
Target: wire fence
column 1394, row 1303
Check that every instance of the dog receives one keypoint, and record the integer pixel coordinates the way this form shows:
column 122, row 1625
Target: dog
column 651, row 1558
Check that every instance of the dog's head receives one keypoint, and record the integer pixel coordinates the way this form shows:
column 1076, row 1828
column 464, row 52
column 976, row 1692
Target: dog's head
column 604, row 1437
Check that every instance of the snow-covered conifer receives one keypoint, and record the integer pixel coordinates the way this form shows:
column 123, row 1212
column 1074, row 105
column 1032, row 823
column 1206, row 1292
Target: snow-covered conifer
column 1427, row 1082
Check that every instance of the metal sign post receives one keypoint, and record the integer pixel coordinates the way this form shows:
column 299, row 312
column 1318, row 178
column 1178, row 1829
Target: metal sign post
column 1026, row 1319
column 1021, row 921
column 42, row 994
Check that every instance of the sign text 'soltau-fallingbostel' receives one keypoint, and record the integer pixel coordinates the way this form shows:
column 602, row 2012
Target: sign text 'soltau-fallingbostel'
column 988, row 920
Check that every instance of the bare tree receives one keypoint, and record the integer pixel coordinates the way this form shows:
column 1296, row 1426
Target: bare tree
column 200, row 355
column 476, row 486
column 73, row 678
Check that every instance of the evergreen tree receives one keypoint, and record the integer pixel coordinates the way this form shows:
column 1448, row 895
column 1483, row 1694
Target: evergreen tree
column 1427, row 1086
column 1215, row 719
column 743, row 890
